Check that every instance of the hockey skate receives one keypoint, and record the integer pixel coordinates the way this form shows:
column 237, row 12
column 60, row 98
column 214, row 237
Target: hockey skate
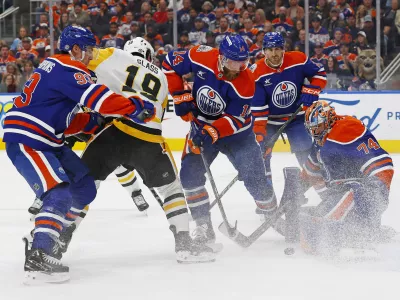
column 139, row 201
column 187, row 252
column 64, row 240
column 205, row 235
column 42, row 268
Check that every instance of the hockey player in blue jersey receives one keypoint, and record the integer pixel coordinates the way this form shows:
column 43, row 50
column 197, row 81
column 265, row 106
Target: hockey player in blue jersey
column 34, row 136
column 353, row 173
column 280, row 90
column 221, row 121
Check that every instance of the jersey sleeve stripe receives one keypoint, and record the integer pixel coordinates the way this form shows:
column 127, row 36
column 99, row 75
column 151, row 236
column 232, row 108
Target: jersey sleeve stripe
column 86, row 93
column 379, row 163
column 102, row 99
column 253, row 108
column 95, row 95
column 369, row 162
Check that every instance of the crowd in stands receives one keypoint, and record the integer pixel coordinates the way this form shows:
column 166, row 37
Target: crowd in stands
column 339, row 29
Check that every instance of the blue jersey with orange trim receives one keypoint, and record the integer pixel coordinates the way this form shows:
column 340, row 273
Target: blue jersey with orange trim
column 277, row 90
column 50, row 99
column 350, row 151
column 222, row 103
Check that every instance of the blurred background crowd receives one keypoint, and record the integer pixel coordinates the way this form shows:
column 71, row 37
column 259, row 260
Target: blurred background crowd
column 341, row 33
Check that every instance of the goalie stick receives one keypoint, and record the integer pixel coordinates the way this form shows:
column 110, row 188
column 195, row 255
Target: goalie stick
column 235, row 234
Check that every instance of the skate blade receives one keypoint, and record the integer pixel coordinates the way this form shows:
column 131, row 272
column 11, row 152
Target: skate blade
column 38, row 278
column 358, row 254
column 184, row 257
column 32, row 218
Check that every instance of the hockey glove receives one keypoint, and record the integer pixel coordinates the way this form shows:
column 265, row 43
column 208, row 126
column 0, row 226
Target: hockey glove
column 309, row 94
column 95, row 124
column 184, row 105
column 87, row 122
column 260, row 130
column 144, row 111
column 206, row 135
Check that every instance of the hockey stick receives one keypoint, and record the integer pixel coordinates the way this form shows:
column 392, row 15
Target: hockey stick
column 153, row 191
column 235, row 234
column 224, row 191
column 230, row 230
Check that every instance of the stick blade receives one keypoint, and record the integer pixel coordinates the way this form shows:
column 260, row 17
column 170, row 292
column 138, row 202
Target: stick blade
column 237, row 237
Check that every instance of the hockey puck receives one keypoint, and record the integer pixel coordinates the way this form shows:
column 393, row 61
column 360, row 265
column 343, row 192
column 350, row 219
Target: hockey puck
column 289, row 251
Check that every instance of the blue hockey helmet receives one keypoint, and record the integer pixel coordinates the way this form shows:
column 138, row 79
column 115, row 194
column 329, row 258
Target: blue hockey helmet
column 75, row 35
column 234, row 52
column 273, row 40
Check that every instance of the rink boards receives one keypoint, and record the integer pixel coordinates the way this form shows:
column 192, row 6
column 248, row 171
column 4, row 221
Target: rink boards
column 380, row 112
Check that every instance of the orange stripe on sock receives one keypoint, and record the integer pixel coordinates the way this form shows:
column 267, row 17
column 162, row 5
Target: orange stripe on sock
column 343, row 207
column 47, row 222
column 194, row 197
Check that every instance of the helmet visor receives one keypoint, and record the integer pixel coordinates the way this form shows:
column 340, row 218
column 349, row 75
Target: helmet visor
column 234, row 65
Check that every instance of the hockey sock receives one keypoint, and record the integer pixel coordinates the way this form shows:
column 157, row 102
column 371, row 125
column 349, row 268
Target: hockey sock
column 72, row 215
column 199, row 204
column 175, row 205
column 127, row 179
column 48, row 225
column 81, row 216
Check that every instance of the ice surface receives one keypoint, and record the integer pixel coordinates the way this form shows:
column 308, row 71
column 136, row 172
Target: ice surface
column 119, row 254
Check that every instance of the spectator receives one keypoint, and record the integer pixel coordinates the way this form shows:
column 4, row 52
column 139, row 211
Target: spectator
column 319, row 57
column 294, row 34
column 361, row 42
column 135, row 30
column 71, row 7
column 101, row 20
column 5, row 58
column 17, row 43
column 41, row 41
column 244, row 15
column 360, row 14
column 152, row 36
column 219, row 13
column 27, row 46
column 147, row 21
column 369, row 8
column 119, row 15
column 198, row 34
column 184, row 43
column 269, row 28
column 113, row 6
column 207, row 13
column 145, row 8
column 256, row 52
column 63, row 8
column 333, row 22
column 113, row 39
column 351, row 27
column 183, row 14
column 331, row 47
column 345, row 10
column 268, row 6
column 62, row 23
column 251, row 9
column 332, row 67
column 370, row 30
column 35, row 28
column 300, row 45
column 345, row 59
column 318, row 34
column 391, row 22
column 161, row 15
column 94, row 7
column 288, row 45
column 249, row 33
column 78, row 16
column 125, row 28
column 8, row 84
column 232, row 13
column 95, row 36
column 259, row 19
column 283, row 24
column 47, row 51
column 323, row 8
column 12, row 68
column 27, row 71
column 153, row 5
column 210, row 38
column 167, row 29
column 222, row 31
column 278, row 5
column 295, row 11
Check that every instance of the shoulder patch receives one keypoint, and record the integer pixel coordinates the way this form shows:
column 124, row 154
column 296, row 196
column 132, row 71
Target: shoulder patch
column 347, row 130
column 204, row 48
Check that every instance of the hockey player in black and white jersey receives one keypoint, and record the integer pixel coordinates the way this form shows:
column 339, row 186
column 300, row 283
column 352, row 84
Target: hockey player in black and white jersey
column 140, row 145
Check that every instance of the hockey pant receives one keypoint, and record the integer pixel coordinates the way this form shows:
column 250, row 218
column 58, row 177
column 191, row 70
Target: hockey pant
column 63, row 183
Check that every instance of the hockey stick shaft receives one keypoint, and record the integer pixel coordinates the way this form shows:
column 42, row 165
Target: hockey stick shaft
column 153, row 191
column 224, row 191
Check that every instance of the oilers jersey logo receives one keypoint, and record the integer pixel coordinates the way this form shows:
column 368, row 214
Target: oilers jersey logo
column 209, row 101
column 284, row 94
